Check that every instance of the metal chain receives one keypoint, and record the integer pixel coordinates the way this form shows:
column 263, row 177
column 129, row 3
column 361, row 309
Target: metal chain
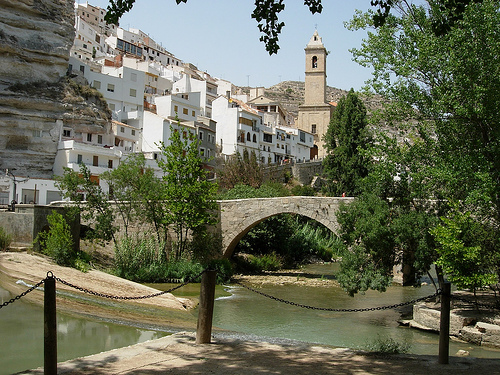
column 22, row 294
column 378, row 308
column 110, row 296
column 485, row 305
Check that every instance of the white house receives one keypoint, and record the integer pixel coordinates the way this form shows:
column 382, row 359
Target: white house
column 238, row 126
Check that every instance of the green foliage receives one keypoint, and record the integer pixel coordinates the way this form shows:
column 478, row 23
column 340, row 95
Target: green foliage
column 239, row 170
column 294, row 240
column 224, row 269
column 345, row 140
column 91, row 203
column 442, row 94
column 304, row 191
column 145, row 260
column 139, row 195
column 464, row 251
column 57, row 242
column 189, row 197
column 267, row 190
column 388, row 346
column 258, row 263
column 5, row 239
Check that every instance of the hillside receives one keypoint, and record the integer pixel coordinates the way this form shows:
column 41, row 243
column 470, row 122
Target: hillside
column 291, row 95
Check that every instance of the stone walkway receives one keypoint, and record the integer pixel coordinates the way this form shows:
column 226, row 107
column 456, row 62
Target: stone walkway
column 178, row 354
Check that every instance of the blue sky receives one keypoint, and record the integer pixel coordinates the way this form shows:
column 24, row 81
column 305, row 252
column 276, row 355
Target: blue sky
column 220, row 37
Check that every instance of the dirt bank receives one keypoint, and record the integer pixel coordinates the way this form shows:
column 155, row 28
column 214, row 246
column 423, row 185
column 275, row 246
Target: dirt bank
column 165, row 310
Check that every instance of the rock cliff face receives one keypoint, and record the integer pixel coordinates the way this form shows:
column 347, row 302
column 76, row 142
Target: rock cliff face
column 36, row 97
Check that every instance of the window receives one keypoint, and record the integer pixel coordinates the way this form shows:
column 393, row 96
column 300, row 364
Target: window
column 95, row 161
column 254, row 138
column 268, row 138
column 133, row 131
column 89, row 137
column 133, row 93
column 111, row 106
column 111, row 87
column 193, row 113
column 176, row 109
column 201, row 135
column 99, row 139
column 313, row 128
column 110, row 163
column 122, row 129
column 302, row 136
column 248, row 137
column 66, row 133
column 185, row 111
column 245, row 121
column 202, row 152
column 37, row 133
column 314, row 62
column 82, row 68
column 97, row 85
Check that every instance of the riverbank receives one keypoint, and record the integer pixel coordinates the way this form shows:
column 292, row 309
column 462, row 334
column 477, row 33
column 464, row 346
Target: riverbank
column 19, row 270
column 178, row 354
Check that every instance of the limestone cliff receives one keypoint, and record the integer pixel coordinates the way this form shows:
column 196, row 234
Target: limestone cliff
column 36, row 97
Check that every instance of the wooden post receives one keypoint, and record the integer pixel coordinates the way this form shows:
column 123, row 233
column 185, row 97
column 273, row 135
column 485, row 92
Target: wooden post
column 444, row 325
column 50, row 327
column 206, row 310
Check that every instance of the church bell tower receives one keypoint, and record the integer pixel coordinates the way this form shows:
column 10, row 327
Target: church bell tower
column 315, row 113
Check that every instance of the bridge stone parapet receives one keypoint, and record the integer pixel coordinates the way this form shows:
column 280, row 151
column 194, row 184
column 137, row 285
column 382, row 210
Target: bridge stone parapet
column 239, row 216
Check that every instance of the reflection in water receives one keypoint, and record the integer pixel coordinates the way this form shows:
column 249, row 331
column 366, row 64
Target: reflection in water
column 21, row 325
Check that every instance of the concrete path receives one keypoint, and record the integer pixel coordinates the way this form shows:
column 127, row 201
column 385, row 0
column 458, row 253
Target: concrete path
column 178, row 354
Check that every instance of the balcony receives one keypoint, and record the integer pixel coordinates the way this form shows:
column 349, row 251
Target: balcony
column 149, row 107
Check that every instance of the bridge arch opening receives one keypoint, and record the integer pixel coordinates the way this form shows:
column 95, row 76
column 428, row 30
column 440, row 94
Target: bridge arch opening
column 294, row 238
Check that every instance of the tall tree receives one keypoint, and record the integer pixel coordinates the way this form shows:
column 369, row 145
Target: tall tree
column 189, row 196
column 139, row 195
column 445, row 90
column 345, row 140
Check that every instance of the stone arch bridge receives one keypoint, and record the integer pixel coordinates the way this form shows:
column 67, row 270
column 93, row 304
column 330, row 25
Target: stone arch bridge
column 238, row 216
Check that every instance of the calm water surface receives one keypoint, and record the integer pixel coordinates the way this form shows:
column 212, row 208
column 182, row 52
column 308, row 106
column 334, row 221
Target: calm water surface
column 239, row 313
column 21, row 329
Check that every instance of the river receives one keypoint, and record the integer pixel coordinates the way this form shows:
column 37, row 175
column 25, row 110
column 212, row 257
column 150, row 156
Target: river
column 238, row 313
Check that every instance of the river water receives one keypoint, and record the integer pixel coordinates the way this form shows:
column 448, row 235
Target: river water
column 238, row 312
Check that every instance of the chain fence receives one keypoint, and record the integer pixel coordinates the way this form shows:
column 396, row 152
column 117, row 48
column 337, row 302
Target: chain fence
column 12, row 300
column 194, row 278
column 103, row 295
column 377, row 308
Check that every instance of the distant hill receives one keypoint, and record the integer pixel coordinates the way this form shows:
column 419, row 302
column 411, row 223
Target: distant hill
column 291, row 94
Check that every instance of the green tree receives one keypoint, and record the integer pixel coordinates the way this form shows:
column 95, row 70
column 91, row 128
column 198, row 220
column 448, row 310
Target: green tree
column 189, row 196
column 266, row 13
column 139, row 195
column 57, row 242
column 90, row 202
column 345, row 140
column 442, row 93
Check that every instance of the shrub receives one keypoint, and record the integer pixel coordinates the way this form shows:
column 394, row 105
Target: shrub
column 57, row 242
column 5, row 239
column 388, row 346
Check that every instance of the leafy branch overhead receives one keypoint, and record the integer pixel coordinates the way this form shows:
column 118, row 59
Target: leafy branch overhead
column 266, row 13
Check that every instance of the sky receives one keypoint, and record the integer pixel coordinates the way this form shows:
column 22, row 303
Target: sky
column 221, row 38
